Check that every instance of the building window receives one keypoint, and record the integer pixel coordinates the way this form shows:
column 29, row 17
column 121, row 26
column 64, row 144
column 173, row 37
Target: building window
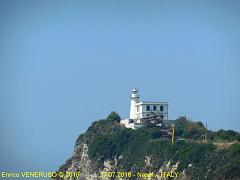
column 148, row 108
column 161, row 108
column 137, row 108
column 154, row 108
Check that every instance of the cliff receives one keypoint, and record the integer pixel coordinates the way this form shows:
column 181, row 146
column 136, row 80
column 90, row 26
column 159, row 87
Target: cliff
column 109, row 151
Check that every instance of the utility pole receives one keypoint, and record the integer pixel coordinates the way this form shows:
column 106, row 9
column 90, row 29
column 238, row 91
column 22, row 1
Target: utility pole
column 206, row 133
column 173, row 126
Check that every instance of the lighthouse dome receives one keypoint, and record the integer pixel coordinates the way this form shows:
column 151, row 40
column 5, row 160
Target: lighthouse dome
column 135, row 93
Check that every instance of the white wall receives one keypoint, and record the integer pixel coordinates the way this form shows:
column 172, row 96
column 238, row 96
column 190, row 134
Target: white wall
column 143, row 110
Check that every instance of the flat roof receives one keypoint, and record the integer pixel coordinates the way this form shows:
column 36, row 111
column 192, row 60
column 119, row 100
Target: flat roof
column 150, row 103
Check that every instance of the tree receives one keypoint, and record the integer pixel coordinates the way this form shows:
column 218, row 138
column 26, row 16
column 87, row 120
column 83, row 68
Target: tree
column 113, row 116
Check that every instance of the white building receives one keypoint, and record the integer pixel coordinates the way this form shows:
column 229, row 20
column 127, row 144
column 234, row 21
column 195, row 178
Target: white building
column 139, row 110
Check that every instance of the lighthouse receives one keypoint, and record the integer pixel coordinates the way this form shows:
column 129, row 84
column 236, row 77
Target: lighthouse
column 140, row 110
column 134, row 101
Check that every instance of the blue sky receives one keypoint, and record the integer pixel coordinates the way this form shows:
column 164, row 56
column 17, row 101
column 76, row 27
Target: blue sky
column 64, row 64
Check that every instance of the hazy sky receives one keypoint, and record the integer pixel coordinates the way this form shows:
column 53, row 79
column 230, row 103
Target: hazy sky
column 64, row 64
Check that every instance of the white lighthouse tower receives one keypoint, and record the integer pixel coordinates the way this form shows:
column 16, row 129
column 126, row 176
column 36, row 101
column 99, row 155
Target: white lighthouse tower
column 134, row 101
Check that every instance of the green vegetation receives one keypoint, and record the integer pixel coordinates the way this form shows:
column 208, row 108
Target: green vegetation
column 107, row 140
column 196, row 130
column 224, row 136
column 114, row 117
column 189, row 130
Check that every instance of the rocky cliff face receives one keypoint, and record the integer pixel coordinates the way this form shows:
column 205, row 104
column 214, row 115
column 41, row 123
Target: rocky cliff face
column 80, row 162
column 109, row 151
